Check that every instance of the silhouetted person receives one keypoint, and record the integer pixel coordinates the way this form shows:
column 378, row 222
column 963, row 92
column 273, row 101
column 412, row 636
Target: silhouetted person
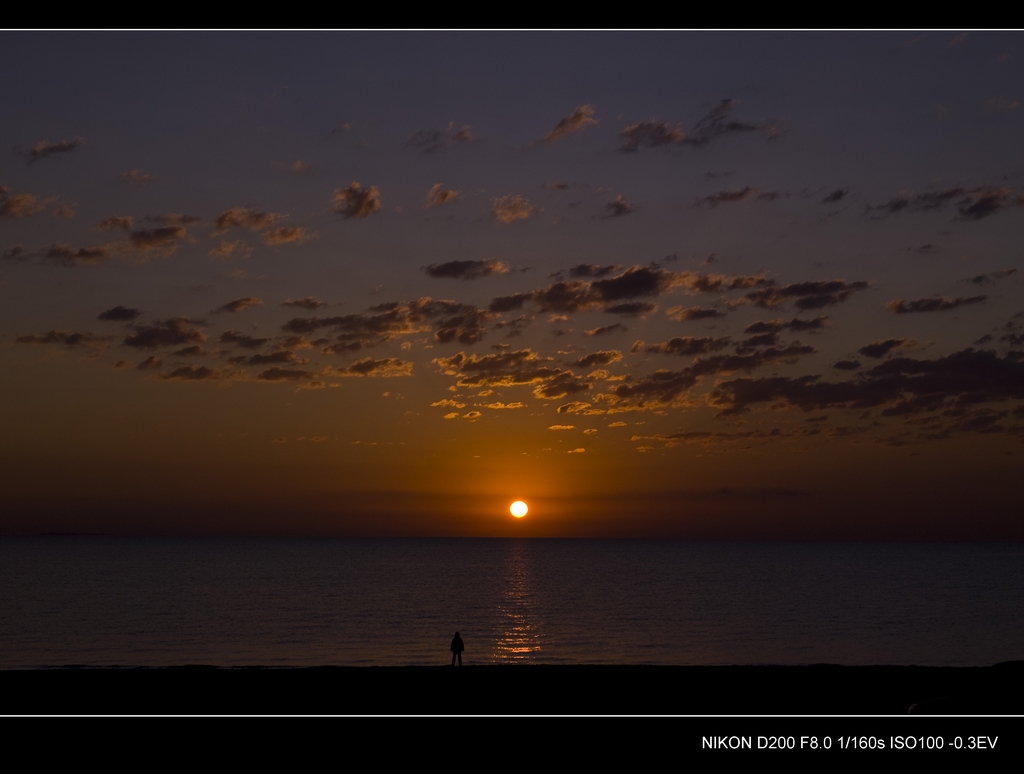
column 457, row 648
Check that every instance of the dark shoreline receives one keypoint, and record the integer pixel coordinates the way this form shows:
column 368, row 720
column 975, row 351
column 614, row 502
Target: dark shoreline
column 821, row 689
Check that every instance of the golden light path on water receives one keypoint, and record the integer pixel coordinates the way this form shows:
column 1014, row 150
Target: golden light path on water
column 518, row 639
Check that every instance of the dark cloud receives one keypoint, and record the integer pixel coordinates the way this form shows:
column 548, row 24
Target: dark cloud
column 607, row 329
column 465, row 270
column 581, row 270
column 555, row 186
column 720, row 283
column 163, row 238
column 963, row 379
column 285, row 235
column 151, row 363
column 176, row 219
column 806, row 295
column 450, row 321
column 136, row 177
column 909, row 202
column 715, row 124
column 796, row 324
column 631, row 308
column 165, row 333
column 836, row 196
column 242, row 340
column 617, row 208
column 600, row 358
column 65, row 255
column 356, row 201
column 20, row 206
column 192, row 373
column 940, row 304
column 305, row 303
column 44, row 149
column 115, row 223
column 432, row 140
column 680, row 314
column 509, row 369
column 245, row 217
column 239, row 304
column 846, row 365
column 512, row 207
column 65, row 338
column 385, row 367
column 285, row 375
column 685, row 346
column 880, row 349
column 194, row 351
column 988, row 200
column 281, row 357
column 16, row 254
column 737, row 195
column 992, row 276
column 119, row 314
column 577, row 120
column 438, row 195
column 224, row 249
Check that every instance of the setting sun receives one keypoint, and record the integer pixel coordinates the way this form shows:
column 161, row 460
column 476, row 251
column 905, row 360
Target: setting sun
column 518, row 509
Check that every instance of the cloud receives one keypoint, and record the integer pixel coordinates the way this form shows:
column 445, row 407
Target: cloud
column 465, row 270
column 576, row 121
column 940, row 304
column 806, row 295
column 191, row 373
column 796, row 324
column 285, row 375
column 174, row 219
column 988, row 200
column 680, row 314
column 225, row 249
column 737, row 195
column 573, row 407
column 954, row 382
column 136, row 177
column 65, row 255
column 686, row 346
column 305, row 303
column 285, row 235
column 432, row 140
column 497, row 406
column 836, row 196
column 911, row 202
column 150, row 239
column 512, row 207
column 880, row 349
column 245, row 217
column 44, row 149
column 385, row 367
column 846, row 365
column 510, row 369
column 717, row 123
column 451, row 321
column 562, row 427
column 151, row 363
column 599, row 358
column 119, row 314
column 593, row 270
column 239, row 304
column 1002, row 104
column 355, row 201
column 438, row 195
column 67, row 339
column 607, row 329
column 993, row 276
column 165, row 333
column 115, row 223
column 242, row 340
column 282, row 356
column 20, row 206
column 617, row 208
column 650, row 134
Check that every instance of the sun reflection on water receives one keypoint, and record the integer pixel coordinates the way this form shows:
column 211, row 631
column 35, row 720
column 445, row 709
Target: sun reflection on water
column 516, row 636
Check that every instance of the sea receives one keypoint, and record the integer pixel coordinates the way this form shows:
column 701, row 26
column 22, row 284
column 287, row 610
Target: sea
column 106, row 601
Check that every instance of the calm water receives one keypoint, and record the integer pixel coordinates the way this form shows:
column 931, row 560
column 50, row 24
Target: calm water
column 298, row 602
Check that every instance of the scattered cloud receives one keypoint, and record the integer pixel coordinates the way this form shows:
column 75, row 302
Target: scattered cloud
column 433, row 140
column 67, row 339
column 576, row 121
column 992, row 276
column 305, row 303
column 880, row 349
column 680, row 314
column 224, row 250
column 512, row 207
column 165, row 333
column 119, row 314
column 438, row 195
column 806, row 295
column 163, row 239
column 562, row 427
column 44, row 149
column 988, row 200
column 737, row 195
column 650, row 134
column 245, row 217
column 190, row 373
column 239, row 304
column 285, row 235
column 356, row 201
column 590, row 270
column 940, row 304
column 242, row 340
column 115, row 223
column 617, row 208
column 836, row 196
column 607, row 329
column 600, row 358
column 21, row 206
column 385, row 367
column 717, row 123
column 465, row 270
column 136, row 177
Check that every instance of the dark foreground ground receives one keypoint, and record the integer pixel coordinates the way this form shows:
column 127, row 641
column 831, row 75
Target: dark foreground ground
column 512, row 690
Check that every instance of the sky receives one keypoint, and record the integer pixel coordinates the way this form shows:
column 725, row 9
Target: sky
column 683, row 284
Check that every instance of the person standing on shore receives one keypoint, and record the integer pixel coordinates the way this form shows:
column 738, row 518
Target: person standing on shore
column 457, row 648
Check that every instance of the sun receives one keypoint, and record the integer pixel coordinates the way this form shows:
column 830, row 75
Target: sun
column 518, row 509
